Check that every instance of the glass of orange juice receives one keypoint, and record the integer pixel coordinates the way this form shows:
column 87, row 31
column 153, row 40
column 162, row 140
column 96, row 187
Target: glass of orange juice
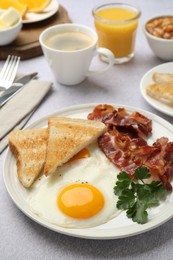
column 116, row 25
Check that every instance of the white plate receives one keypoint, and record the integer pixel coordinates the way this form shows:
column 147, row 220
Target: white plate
column 48, row 12
column 147, row 79
column 119, row 227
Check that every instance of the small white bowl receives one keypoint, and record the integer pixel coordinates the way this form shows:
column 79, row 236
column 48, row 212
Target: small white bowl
column 163, row 48
column 8, row 35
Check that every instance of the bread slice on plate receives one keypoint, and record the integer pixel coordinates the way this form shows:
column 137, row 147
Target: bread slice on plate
column 162, row 91
column 68, row 136
column 162, row 77
column 29, row 149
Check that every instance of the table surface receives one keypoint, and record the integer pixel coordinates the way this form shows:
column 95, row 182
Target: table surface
column 21, row 238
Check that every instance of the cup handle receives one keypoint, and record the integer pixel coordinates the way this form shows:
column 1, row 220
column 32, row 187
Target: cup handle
column 109, row 57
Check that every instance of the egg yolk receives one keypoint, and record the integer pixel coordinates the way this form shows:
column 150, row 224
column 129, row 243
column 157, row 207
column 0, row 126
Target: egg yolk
column 84, row 153
column 80, row 200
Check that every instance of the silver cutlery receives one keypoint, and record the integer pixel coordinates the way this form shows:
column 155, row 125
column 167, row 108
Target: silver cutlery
column 25, row 79
column 8, row 72
column 16, row 87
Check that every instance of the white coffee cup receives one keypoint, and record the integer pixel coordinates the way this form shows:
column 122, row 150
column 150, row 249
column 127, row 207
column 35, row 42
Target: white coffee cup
column 71, row 67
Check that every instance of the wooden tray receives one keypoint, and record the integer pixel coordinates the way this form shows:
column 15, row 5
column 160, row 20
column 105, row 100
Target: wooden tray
column 27, row 43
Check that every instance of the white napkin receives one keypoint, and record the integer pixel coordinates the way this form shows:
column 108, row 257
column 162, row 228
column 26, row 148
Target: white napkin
column 17, row 111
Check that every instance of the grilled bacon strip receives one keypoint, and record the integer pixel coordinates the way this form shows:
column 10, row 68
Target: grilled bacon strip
column 124, row 144
column 135, row 122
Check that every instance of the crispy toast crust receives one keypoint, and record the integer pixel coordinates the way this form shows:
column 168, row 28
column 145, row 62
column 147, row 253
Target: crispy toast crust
column 162, row 91
column 66, row 137
column 29, row 149
column 48, row 148
column 162, row 77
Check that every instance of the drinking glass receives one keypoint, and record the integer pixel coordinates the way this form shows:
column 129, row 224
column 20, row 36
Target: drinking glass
column 116, row 25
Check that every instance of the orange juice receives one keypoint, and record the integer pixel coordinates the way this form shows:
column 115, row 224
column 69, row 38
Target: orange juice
column 116, row 28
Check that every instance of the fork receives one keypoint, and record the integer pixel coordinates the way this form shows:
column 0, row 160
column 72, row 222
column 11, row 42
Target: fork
column 8, row 72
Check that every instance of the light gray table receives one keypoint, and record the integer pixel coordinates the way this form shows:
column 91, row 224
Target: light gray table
column 21, row 238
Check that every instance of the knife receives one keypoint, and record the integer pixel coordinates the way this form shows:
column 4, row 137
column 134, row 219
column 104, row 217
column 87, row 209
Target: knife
column 15, row 88
column 26, row 78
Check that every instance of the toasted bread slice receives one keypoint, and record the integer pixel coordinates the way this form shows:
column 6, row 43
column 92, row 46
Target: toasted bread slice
column 162, row 77
column 66, row 137
column 29, row 149
column 162, row 91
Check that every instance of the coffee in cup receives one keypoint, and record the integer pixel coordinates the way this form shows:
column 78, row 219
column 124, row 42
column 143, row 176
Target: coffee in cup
column 69, row 50
column 69, row 41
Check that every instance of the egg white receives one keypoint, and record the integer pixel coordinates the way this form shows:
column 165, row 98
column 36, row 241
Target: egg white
column 96, row 170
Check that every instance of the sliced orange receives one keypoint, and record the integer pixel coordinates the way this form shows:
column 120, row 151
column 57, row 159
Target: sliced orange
column 22, row 8
column 36, row 6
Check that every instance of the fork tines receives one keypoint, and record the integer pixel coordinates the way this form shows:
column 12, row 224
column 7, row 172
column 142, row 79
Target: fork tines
column 10, row 67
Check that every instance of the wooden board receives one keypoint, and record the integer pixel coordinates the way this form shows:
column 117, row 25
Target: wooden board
column 27, row 43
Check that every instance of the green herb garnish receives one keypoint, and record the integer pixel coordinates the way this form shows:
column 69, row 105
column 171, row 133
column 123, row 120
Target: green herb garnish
column 135, row 196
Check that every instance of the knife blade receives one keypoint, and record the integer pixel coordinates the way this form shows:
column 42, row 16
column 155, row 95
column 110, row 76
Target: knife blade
column 15, row 88
column 26, row 78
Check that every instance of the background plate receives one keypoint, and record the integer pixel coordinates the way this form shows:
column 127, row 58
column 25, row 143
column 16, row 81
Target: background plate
column 48, row 12
column 119, row 227
column 147, row 79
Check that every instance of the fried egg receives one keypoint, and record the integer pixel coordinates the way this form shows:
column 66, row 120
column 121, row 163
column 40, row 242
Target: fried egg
column 79, row 194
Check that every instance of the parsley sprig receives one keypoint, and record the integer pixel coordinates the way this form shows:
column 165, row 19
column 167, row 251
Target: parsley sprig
column 135, row 196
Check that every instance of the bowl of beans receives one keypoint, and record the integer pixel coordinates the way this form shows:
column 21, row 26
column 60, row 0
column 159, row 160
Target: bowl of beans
column 159, row 35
